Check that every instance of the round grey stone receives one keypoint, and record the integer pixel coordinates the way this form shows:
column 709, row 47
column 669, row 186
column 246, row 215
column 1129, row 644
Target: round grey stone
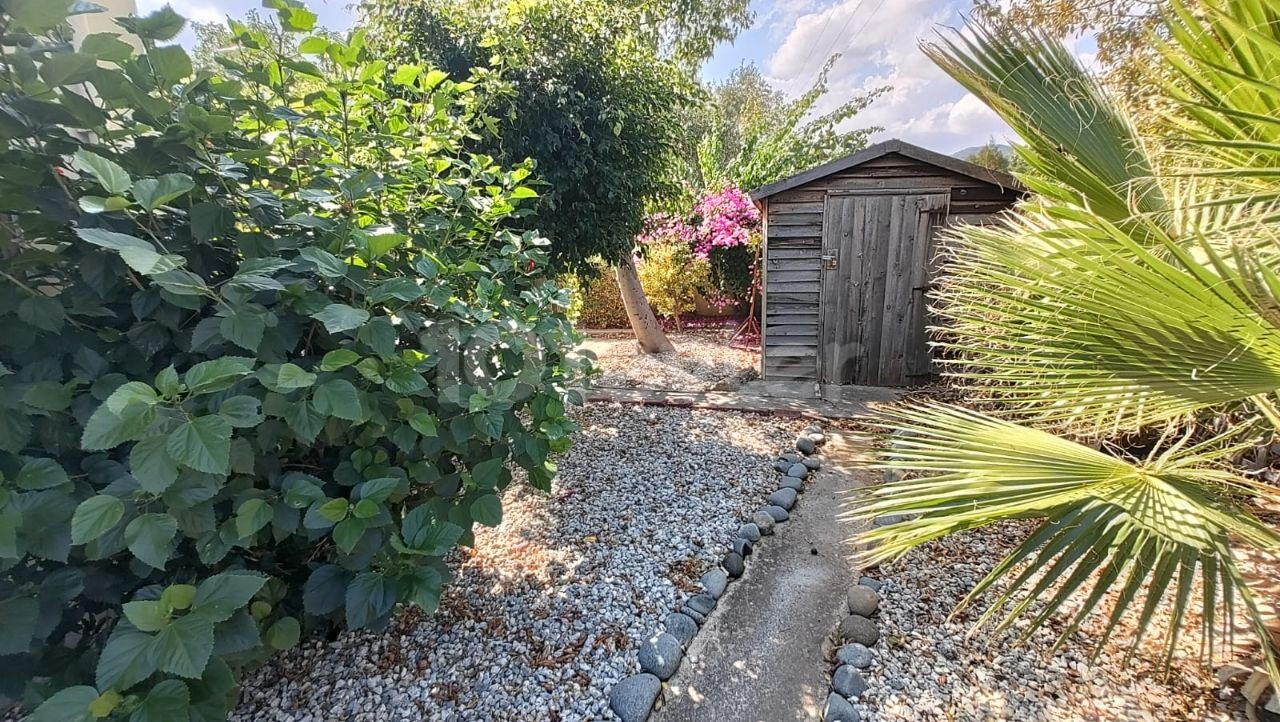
column 764, row 521
column 791, row 457
column 891, row 475
column 785, row 498
column 798, row 471
column 697, row 617
column 742, row 547
column 632, row 699
column 701, row 603
column 805, row 445
column 777, row 512
column 874, row 584
column 781, row 465
column 847, row 681
column 863, row 600
column 857, row 628
column 790, row 482
column 681, row 626
column 749, row 531
column 838, row 709
column 714, row 582
column 888, row 519
column 660, row 655
column 813, row 429
column 854, row 655
column 813, row 463
column 734, row 565
column 818, row 438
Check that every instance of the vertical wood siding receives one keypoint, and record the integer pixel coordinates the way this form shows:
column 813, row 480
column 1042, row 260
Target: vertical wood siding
column 794, row 222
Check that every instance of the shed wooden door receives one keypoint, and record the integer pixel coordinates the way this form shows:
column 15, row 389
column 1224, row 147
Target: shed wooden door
column 877, row 251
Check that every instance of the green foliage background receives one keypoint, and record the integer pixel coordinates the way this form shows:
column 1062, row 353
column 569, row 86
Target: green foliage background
column 271, row 337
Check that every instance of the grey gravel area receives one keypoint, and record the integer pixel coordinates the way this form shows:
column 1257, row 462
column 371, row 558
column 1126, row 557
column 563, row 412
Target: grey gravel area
column 925, row 669
column 701, row 362
column 545, row 615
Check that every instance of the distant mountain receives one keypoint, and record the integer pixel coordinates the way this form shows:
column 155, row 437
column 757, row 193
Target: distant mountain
column 965, row 153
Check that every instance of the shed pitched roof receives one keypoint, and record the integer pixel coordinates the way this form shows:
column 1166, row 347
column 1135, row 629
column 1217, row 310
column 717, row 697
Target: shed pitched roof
column 963, row 167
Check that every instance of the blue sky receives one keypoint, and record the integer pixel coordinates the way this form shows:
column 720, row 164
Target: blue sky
column 791, row 39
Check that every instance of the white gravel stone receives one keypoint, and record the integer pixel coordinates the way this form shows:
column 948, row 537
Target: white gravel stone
column 546, row 613
column 700, row 362
column 926, row 669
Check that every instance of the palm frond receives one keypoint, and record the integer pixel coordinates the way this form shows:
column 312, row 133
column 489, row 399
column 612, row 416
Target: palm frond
column 1072, row 320
column 1085, row 150
column 1222, row 63
column 1151, row 528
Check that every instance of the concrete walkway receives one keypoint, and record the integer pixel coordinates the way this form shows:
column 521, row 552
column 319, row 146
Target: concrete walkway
column 794, row 399
column 761, row 656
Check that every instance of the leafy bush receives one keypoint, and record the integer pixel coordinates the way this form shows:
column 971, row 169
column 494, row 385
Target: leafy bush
column 264, row 356
column 597, row 301
column 673, row 279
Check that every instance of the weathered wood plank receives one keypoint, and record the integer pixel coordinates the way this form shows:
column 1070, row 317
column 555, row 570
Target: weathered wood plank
column 798, row 219
column 810, row 231
column 787, row 207
column 776, row 351
column 779, row 276
column 811, row 263
column 887, row 222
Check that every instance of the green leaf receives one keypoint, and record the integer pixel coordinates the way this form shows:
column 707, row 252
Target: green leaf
column 140, row 255
column 338, row 397
column 222, row 373
column 365, row 509
column 325, row 589
column 106, row 46
column 202, row 443
column 147, row 615
column 337, row 359
column 169, row 700
column 242, row 412
column 487, row 509
column 151, row 464
column 253, row 515
column 300, row 492
column 297, row 19
column 171, row 63
column 380, row 244
column 61, row 69
column 148, row 537
column 222, row 595
column 370, row 596
column 126, row 660
column 39, row 474
column 326, row 264
column 152, row 193
column 292, row 376
column 404, row 289
column 94, row 517
column 107, row 429
column 183, row 647
column 284, row 633
column 105, row 704
column 379, row 490
column 128, row 394
column 424, row 423
column 18, row 617
column 347, row 533
column 488, row 473
column 178, row 596
column 70, row 704
column 422, row 587
column 423, row 532
column 244, row 328
column 48, row 395
column 163, row 24
column 113, row 179
column 339, row 317
column 98, row 204
column 335, row 510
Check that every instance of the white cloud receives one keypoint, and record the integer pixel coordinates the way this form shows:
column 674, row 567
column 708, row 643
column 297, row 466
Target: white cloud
column 879, row 45
column 192, row 10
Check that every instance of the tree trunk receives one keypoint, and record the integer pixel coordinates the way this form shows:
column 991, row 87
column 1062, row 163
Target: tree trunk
column 643, row 323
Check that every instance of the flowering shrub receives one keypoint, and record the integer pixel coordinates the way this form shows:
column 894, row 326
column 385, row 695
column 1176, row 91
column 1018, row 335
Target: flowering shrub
column 726, row 218
column 673, row 279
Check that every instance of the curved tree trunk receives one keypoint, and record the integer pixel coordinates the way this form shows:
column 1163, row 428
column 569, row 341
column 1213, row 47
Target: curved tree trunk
column 643, row 323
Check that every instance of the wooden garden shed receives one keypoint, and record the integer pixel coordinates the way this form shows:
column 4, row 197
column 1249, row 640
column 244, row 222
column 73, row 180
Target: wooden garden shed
column 848, row 257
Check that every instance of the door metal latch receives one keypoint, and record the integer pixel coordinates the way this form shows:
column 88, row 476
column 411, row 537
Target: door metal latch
column 830, row 260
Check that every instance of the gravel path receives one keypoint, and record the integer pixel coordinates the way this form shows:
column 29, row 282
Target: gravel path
column 925, row 669
column 542, row 617
column 699, row 363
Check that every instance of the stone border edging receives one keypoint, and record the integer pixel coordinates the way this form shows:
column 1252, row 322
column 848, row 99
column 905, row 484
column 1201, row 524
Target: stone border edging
column 856, row 634
column 633, row 698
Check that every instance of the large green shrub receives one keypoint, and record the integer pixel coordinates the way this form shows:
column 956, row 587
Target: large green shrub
column 265, row 356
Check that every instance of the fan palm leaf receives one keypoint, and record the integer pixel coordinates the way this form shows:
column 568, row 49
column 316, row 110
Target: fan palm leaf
column 1080, row 323
column 1150, row 529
